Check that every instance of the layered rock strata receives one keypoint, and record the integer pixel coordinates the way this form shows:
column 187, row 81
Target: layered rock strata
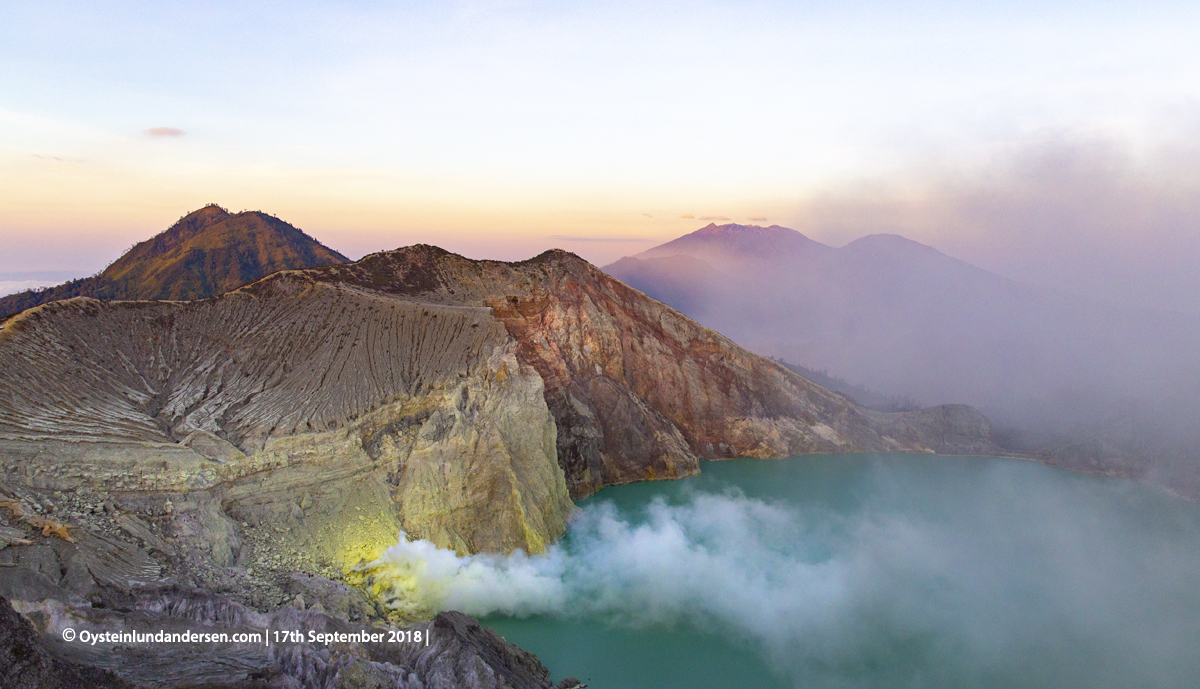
column 246, row 450
column 639, row 391
column 461, row 401
column 344, row 414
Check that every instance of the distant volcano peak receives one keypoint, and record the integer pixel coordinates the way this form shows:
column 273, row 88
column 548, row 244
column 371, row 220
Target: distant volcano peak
column 734, row 228
column 205, row 253
column 188, row 226
column 717, row 243
column 890, row 244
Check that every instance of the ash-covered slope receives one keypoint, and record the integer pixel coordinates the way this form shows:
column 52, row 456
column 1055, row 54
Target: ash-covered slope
column 206, row 253
column 416, row 416
column 416, row 389
column 639, row 391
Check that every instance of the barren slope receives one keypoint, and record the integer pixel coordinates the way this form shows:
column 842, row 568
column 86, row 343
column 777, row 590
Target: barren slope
column 448, row 397
column 638, row 390
column 417, row 414
column 206, row 253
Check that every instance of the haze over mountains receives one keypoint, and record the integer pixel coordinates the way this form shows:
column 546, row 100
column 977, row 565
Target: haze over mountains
column 206, row 253
column 1109, row 386
column 253, row 448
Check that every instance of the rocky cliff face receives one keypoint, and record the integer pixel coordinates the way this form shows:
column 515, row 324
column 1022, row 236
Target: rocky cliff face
column 358, row 409
column 462, row 401
column 639, row 391
column 25, row 663
column 241, row 453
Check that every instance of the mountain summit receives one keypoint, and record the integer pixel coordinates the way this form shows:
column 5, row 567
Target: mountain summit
column 207, row 252
column 731, row 242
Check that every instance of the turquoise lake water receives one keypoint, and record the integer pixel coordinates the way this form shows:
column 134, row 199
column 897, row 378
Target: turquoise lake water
column 874, row 571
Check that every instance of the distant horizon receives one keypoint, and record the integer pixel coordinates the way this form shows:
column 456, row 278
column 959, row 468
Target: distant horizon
column 19, row 281
column 1052, row 143
column 54, row 277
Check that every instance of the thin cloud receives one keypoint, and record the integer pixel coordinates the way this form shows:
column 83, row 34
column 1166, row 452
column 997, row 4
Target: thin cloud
column 714, row 217
column 56, row 159
column 164, row 131
column 567, row 238
column 647, row 215
column 758, row 218
column 688, row 216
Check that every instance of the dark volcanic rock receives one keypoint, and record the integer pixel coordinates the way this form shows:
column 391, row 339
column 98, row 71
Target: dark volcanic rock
column 465, row 654
column 26, row 664
column 460, row 654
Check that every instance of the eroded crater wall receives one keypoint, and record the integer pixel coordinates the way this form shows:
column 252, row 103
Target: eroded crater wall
column 419, row 416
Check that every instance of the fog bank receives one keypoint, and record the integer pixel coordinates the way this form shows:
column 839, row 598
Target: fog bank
column 1097, row 216
column 1052, row 285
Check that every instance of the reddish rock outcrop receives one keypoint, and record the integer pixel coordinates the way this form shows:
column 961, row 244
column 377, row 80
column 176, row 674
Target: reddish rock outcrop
column 639, row 391
column 460, row 400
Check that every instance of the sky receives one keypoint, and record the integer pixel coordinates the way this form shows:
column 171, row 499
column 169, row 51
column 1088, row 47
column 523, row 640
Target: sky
column 1053, row 142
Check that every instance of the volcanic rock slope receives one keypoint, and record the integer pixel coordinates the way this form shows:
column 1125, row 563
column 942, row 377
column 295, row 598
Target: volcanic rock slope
column 459, row 654
column 463, row 401
column 368, row 413
column 638, row 390
column 206, row 462
column 206, row 253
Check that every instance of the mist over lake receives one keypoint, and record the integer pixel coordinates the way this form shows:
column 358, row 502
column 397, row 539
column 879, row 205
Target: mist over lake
column 853, row 571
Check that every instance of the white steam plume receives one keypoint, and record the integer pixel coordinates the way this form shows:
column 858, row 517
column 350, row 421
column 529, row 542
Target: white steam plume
column 1015, row 579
